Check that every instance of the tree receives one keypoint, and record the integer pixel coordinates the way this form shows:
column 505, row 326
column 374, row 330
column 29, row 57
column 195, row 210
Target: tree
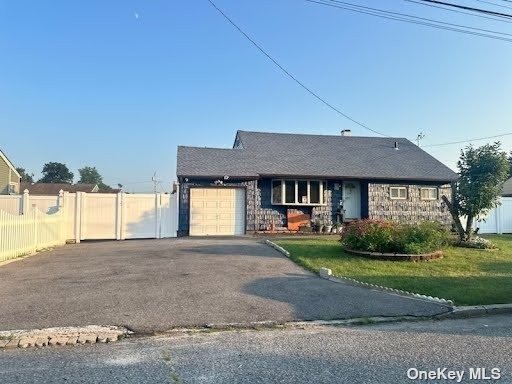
column 510, row 164
column 90, row 175
column 482, row 171
column 56, row 173
column 25, row 177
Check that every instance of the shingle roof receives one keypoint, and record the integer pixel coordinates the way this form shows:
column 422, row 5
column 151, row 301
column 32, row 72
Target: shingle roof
column 54, row 188
column 280, row 154
column 507, row 188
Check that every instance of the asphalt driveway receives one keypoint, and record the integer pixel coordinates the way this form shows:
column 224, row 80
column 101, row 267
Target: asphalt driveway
column 154, row 285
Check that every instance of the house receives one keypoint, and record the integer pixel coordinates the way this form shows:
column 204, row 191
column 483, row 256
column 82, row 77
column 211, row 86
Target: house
column 507, row 188
column 9, row 177
column 267, row 180
column 52, row 189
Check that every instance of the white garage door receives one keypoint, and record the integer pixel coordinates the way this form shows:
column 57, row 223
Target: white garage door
column 217, row 211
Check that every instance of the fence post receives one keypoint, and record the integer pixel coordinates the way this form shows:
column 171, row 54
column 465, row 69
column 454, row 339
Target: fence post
column 158, row 212
column 499, row 229
column 78, row 217
column 36, row 225
column 25, row 201
column 119, row 216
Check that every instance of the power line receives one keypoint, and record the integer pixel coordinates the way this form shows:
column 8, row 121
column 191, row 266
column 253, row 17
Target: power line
column 414, row 17
column 433, row 24
column 497, row 5
column 468, row 140
column 287, row 73
column 469, row 8
column 502, row 20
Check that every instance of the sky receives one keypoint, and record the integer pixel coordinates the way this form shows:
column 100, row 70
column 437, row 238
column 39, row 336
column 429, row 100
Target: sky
column 119, row 84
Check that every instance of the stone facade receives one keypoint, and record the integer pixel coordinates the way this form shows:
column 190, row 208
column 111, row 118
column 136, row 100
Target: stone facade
column 410, row 210
column 261, row 214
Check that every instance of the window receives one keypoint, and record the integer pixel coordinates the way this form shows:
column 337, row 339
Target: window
column 277, row 192
column 398, row 193
column 428, row 193
column 12, row 189
column 298, row 192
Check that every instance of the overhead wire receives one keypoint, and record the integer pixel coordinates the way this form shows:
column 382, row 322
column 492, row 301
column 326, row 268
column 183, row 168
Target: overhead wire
column 501, row 20
column 434, row 24
column 290, row 75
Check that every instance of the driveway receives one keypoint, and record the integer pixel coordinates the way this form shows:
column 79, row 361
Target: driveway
column 154, row 285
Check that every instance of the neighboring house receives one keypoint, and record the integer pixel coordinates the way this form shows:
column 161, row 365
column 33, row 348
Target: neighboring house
column 9, row 177
column 268, row 179
column 507, row 188
column 54, row 188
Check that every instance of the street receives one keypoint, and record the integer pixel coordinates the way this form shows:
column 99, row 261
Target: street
column 380, row 353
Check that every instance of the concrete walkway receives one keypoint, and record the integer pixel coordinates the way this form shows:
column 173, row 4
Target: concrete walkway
column 154, row 285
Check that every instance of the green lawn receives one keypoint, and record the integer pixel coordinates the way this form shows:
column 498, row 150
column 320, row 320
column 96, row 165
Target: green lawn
column 466, row 276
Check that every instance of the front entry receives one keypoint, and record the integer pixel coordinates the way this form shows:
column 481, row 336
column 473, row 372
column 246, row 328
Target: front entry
column 352, row 200
column 217, row 211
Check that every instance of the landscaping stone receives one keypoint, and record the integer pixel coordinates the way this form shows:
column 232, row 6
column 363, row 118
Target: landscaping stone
column 26, row 342
column 13, row 343
column 60, row 336
column 87, row 338
column 325, row 272
column 72, row 340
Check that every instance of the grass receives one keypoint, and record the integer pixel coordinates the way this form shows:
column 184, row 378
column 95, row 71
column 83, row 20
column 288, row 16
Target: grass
column 466, row 276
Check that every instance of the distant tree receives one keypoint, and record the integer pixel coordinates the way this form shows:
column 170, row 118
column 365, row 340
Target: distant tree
column 482, row 172
column 25, row 177
column 510, row 164
column 56, row 173
column 90, row 175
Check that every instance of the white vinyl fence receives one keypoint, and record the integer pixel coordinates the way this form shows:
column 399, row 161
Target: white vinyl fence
column 24, row 234
column 94, row 216
column 498, row 220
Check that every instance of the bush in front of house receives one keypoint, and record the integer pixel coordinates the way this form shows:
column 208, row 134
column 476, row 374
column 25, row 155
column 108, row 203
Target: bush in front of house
column 370, row 235
column 390, row 237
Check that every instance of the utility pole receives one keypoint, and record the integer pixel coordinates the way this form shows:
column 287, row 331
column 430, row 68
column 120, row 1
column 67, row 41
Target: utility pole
column 419, row 138
column 153, row 179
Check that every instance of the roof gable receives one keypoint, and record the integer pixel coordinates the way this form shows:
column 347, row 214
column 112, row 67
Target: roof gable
column 9, row 164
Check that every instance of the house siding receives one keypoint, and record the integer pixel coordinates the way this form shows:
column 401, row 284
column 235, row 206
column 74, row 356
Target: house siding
column 410, row 210
column 262, row 215
column 4, row 177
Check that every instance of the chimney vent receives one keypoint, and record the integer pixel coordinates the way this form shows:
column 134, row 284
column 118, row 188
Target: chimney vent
column 346, row 132
column 396, row 145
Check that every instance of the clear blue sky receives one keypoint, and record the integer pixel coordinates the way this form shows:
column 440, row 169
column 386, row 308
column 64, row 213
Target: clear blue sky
column 119, row 84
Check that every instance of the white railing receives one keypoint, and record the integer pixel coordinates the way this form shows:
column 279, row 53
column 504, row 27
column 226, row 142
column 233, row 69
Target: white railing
column 25, row 234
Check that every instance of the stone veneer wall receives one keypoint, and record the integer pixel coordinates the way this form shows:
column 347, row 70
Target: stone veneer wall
column 410, row 210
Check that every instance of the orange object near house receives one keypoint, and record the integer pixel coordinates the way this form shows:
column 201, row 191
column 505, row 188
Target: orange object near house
column 297, row 218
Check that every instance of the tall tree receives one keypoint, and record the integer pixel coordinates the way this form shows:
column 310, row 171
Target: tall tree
column 25, row 177
column 56, row 173
column 482, row 171
column 90, row 175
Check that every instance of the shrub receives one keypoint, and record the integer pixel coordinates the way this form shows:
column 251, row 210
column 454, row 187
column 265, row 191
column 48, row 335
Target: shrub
column 369, row 235
column 385, row 236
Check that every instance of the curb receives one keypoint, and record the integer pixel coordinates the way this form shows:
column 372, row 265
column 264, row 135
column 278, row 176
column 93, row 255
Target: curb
column 464, row 312
column 89, row 334
column 326, row 273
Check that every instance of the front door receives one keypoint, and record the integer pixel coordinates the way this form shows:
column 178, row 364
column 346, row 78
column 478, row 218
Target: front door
column 352, row 200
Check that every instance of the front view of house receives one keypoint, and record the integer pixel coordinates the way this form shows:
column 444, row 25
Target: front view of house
column 272, row 181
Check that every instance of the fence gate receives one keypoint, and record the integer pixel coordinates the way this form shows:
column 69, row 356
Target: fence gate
column 98, row 216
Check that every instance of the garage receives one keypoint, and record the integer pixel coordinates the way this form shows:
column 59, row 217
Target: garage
column 217, row 211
